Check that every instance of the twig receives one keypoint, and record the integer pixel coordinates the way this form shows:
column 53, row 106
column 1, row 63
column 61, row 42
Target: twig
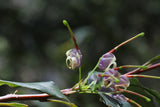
column 136, row 71
column 41, row 97
column 13, row 97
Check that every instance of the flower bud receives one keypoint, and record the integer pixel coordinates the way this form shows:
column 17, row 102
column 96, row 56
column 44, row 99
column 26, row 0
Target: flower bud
column 106, row 61
column 74, row 58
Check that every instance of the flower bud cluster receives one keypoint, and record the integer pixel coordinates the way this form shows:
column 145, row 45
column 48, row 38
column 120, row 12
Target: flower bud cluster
column 112, row 78
column 110, row 81
column 74, row 58
column 113, row 81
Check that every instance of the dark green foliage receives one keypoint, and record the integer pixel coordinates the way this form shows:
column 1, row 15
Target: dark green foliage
column 109, row 101
column 153, row 93
column 139, row 88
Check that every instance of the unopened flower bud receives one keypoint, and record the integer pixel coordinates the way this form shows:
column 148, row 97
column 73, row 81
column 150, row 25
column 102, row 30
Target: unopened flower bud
column 74, row 58
column 106, row 61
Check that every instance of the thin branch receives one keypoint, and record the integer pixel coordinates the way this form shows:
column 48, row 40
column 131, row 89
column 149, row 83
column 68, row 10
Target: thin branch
column 13, row 97
column 136, row 71
column 41, row 97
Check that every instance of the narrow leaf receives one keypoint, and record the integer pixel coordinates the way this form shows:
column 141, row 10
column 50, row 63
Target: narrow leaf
column 46, row 87
column 13, row 104
column 153, row 93
column 64, row 102
column 138, row 87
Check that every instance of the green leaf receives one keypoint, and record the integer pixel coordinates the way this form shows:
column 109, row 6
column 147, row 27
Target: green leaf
column 139, row 88
column 13, row 104
column 64, row 102
column 153, row 60
column 109, row 101
column 153, row 93
column 46, row 87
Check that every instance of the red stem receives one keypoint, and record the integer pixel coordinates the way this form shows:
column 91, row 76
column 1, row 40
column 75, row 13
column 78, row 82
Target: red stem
column 135, row 103
column 123, row 43
column 73, row 37
column 136, row 71
column 41, row 97
column 12, row 97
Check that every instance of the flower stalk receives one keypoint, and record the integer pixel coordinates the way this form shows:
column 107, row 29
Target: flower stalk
column 137, row 94
column 131, row 66
column 137, row 71
column 142, row 76
column 123, row 43
column 71, row 33
column 133, row 102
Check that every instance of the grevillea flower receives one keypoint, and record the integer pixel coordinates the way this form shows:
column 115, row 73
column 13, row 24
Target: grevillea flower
column 106, row 61
column 74, row 58
column 110, row 81
column 112, row 78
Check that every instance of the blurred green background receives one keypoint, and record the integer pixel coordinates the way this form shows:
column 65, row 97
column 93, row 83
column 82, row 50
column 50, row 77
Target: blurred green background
column 33, row 40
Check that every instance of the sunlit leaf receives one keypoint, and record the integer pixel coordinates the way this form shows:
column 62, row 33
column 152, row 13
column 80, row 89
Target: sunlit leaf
column 64, row 102
column 46, row 87
column 13, row 105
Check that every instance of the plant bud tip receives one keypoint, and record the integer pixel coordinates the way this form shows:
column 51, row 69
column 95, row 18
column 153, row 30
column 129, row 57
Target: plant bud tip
column 65, row 22
column 117, row 80
column 141, row 34
column 148, row 99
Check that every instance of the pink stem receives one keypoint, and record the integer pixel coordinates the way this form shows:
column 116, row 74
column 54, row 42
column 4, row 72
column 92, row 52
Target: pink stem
column 136, row 71
column 41, row 97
